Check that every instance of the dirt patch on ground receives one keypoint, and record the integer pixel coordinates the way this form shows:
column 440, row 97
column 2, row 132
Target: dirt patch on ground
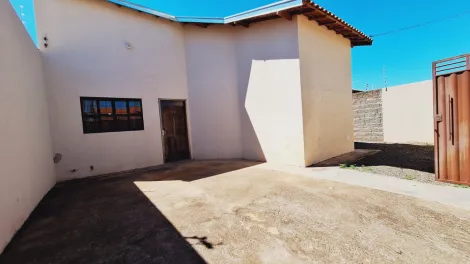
column 235, row 212
column 405, row 161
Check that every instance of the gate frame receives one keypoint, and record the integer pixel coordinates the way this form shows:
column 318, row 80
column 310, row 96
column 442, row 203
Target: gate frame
column 438, row 67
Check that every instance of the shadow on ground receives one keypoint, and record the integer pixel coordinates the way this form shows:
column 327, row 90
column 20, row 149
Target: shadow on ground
column 109, row 220
column 406, row 156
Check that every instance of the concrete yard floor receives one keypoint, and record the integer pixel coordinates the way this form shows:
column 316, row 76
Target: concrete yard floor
column 235, row 212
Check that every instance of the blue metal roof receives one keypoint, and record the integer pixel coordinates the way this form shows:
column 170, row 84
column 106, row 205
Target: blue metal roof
column 274, row 7
column 143, row 9
column 308, row 8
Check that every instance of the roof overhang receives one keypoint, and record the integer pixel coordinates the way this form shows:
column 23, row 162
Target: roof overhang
column 283, row 9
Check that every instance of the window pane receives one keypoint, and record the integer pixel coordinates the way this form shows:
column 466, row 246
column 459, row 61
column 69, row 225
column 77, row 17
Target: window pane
column 111, row 115
column 135, row 107
column 122, row 123
column 136, row 123
column 107, row 124
column 121, row 107
column 106, row 107
column 91, row 125
column 89, row 107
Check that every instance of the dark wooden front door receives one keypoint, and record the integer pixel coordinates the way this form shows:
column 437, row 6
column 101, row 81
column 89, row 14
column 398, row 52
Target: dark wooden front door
column 174, row 130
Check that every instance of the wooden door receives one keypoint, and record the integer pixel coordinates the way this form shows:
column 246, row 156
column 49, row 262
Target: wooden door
column 174, row 130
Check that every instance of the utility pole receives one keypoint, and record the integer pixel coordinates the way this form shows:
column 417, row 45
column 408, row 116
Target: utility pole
column 384, row 72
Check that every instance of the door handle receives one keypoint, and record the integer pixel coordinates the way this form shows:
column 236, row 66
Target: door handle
column 163, row 132
column 451, row 119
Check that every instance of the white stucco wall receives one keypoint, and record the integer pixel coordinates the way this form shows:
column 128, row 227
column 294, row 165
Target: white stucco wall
column 246, row 97
column 87, row 56
column 26, row 166
column 408, row 113
column 269, row 92
column 266, row 59
column 325, row 64
column 214, row 110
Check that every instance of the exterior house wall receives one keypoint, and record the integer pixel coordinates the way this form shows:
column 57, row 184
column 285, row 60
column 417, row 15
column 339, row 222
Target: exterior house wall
column 408, row 113
column 214, row 111
column 87, row 56
column 269, row 92
column 325, row 64
column 368, row 116
column 248, row 90
column 26, row 166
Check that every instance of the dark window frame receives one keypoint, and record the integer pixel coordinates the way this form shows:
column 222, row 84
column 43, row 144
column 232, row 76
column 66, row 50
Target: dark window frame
column 98, row 116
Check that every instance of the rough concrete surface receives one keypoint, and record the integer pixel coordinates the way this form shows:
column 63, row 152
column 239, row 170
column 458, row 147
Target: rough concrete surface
column 348, row 158
column 235, row 212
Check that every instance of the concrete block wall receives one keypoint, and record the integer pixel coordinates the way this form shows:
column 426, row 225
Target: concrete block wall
column 399, row 114
column 368, row 116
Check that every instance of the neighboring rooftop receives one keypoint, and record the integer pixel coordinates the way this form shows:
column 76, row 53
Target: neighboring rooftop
column 282, row 9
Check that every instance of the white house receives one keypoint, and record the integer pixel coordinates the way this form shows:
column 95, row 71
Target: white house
column 116, row 86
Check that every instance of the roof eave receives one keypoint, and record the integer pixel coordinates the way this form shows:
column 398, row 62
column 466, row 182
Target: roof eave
column 142, row 9
column 283, row 8
column 267, row 9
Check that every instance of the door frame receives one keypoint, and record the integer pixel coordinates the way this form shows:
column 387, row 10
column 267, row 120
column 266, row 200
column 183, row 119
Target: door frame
column 185, row 120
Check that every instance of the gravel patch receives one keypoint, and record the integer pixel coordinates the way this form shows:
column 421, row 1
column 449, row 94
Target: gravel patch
column 405, row 161
column 406, row 174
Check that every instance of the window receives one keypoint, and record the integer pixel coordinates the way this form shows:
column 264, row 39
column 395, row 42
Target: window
column 101, row 115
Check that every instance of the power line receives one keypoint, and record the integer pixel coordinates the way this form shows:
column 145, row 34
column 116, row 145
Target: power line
column 421, row 24
column 22, row 14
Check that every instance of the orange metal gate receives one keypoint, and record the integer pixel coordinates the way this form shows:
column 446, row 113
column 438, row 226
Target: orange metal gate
column 451, row 79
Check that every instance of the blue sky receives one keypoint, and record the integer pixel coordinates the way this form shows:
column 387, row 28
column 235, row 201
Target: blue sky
column 406, row 55
column 27, row 15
